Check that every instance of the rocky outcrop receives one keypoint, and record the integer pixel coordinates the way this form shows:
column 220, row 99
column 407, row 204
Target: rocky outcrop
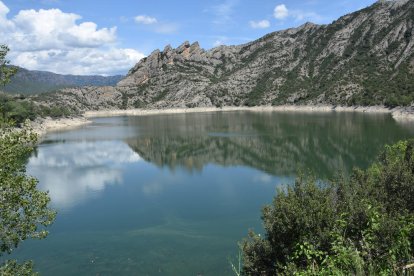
column 364, row 58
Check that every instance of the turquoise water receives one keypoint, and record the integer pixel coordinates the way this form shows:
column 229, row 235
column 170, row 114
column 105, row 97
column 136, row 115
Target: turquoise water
column 173, row 194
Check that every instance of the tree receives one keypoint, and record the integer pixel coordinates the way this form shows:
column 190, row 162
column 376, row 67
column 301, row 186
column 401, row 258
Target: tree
column 360, row 225
column 24, row 210
column 6, row 71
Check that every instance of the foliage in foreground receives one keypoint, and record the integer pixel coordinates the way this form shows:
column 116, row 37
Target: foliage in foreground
column 6, row 71
column 358, row 225
column 24, row 210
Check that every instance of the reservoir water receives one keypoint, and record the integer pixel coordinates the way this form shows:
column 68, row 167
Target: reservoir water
column 174, row 194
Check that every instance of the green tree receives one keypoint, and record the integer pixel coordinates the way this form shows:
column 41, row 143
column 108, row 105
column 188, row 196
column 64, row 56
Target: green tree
column 360, row 225
column 6, row 71
column 24, row 211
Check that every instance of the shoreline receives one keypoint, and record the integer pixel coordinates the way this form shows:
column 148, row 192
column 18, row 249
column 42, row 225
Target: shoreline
column 46, row 125
column 397, row 113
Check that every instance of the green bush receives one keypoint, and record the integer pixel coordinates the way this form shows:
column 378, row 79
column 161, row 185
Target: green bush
column 363, row 224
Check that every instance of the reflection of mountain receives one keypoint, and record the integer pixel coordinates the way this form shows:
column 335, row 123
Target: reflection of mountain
column 277, row 143
column 73, row 172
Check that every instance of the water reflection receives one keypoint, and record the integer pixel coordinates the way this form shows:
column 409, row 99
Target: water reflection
column 73, row 172
column 276, row 143
column 204, row 182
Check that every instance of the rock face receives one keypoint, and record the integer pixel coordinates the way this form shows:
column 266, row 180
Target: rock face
column 364, row 58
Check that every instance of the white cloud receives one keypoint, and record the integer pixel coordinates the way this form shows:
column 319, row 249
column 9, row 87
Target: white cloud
column 299, row 15
column 3, row 9
column 262, row 24
column 144, row 19
column 80, row 61
column 156, row 26
column 167, row 28
column 223, row 13
column 53, row 40
column 45, row 29
column 281, row 12
column 218, row 43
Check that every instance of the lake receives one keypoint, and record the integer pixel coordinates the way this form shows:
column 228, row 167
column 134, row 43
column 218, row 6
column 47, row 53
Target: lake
column 173, row 194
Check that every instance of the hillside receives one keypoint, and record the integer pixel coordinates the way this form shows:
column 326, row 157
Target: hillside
column 33, row 82
column 363, row 58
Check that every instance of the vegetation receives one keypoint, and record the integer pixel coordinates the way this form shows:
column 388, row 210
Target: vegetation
column 19, row 109
column 6, row 71
column 361, row 225
column 24, row 210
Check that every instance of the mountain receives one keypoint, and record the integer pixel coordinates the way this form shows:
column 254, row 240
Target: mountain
column 363, row 58
column 33, row 82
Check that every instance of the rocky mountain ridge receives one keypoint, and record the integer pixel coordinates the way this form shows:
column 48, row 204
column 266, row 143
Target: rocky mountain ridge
column 363, row 58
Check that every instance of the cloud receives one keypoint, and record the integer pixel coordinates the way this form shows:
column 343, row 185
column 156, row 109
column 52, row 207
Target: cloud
column 3, row 9
column 223, row 13
column 45, row 29
column 167, row 28
column 218, row 43
column 80, row 61
column 52, row 40
column 299, row 15
column 49, row 2
column 146, row 20
column 281, row 12
column 228, row 40
column 156, row 26
column 262, row 24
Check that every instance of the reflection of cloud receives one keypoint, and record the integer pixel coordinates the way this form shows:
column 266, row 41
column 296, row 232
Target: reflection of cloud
column 74, row 172
column 153, row 188
column 84, row 154
column 263, row 178
column 267, row 179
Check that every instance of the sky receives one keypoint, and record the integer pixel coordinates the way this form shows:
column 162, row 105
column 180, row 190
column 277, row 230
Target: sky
column 91, row 37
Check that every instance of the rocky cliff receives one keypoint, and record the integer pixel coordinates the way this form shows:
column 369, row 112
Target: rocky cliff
column 364, row 58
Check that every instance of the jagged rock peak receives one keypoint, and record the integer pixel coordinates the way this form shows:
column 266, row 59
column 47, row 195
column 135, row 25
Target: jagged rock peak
column 195, row 45
column 167, row 48
column 184, row 46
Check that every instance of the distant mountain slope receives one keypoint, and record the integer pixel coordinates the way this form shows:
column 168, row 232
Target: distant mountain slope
column 33, row 82
column 364, row 58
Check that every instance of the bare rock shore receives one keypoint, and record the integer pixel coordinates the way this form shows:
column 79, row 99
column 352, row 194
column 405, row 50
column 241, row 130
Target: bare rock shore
column 398, row 114
column 44, row 125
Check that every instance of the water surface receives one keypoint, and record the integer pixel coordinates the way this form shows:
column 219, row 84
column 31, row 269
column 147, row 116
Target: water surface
column 173, row 194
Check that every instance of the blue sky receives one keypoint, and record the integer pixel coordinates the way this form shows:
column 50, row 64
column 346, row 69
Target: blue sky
column 109, row 37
